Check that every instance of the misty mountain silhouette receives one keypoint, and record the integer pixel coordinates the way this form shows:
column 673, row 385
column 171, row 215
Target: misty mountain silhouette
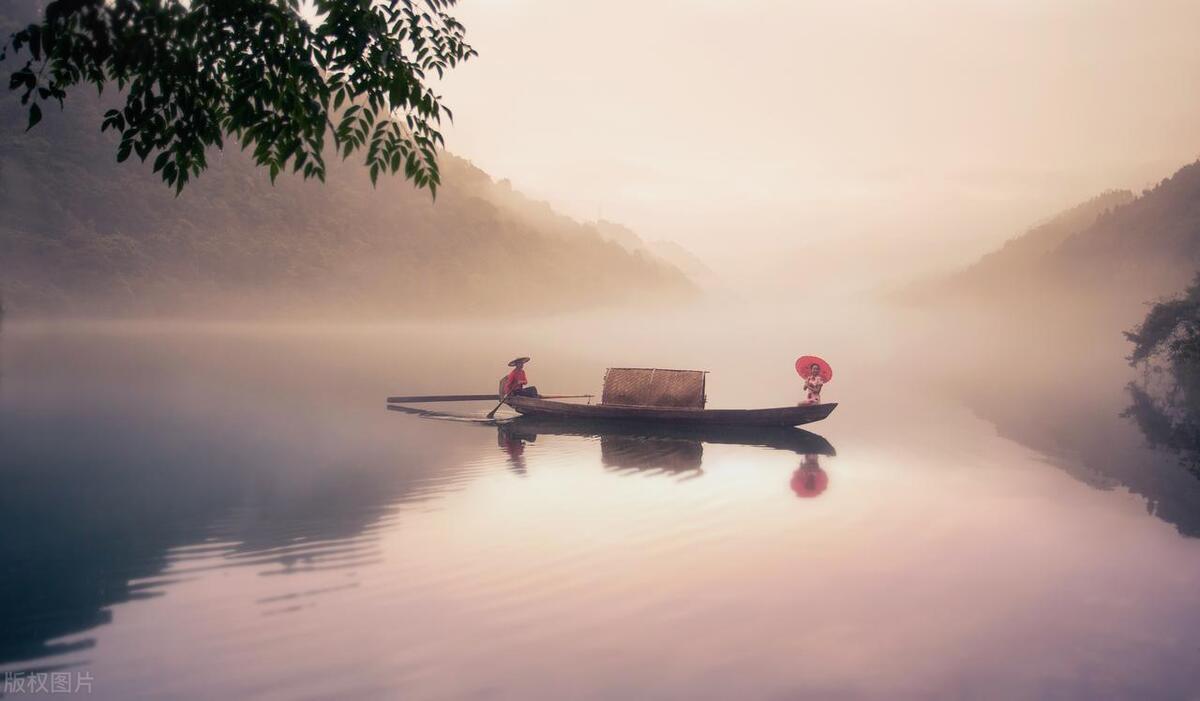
column 82, row 234
column 1115, row 251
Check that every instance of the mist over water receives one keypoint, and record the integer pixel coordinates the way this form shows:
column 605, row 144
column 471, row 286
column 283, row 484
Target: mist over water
column 225, row 510
column 210, row 499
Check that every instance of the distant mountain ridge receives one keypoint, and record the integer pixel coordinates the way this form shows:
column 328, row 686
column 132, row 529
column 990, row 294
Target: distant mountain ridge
column 83, row 235
column 668, row 251
column 1150, row 244
column 1024, row 253
column 1116, row 249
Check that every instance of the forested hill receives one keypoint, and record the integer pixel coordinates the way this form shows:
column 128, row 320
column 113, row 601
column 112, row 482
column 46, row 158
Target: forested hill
column 1023, row 255
column 1149, row 245
column 83, row 235
column 1115, row 251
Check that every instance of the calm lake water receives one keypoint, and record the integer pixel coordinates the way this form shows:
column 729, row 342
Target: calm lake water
column 229, row 511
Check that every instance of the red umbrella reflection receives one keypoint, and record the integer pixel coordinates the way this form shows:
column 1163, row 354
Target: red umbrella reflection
column 809, row 480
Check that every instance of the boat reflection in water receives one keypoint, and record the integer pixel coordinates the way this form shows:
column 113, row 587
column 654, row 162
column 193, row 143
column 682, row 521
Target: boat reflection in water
column 655, row 448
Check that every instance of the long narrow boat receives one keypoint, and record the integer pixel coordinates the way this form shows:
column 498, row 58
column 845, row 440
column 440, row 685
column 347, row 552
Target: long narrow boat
column 787, row 438
column 777, row 416
column 796, row 440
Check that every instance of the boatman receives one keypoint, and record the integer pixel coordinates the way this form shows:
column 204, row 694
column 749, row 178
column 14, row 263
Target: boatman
column 515, row 383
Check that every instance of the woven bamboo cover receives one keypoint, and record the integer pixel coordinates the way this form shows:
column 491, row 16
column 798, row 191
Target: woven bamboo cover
column 636, row 453
column 654, row 387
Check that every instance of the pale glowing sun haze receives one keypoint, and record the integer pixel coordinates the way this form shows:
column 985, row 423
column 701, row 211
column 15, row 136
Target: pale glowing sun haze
column 892, row 137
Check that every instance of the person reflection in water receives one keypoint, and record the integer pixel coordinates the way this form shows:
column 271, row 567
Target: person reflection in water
column 515, row 383
column 813, row 384
column 809, row 480
column 514, row 445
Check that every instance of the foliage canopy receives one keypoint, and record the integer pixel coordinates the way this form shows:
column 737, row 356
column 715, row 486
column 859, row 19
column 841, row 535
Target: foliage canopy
column 1171, row 329
column 278, row 76
column 1168, row 339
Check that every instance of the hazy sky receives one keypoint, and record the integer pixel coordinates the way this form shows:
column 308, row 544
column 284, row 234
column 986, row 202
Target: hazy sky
column 747, row 130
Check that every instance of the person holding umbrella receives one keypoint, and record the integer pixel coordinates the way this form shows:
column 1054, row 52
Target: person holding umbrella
column 815, row 373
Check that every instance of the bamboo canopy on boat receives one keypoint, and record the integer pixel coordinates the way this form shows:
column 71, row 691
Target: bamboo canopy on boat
column 653, row 387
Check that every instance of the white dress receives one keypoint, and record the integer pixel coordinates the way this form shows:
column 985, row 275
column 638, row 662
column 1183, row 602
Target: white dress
column 813, row 385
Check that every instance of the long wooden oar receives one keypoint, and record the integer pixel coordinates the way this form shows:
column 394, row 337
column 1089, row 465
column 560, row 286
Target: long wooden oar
column 444, row 398
column 469, row 398
column 492, row 413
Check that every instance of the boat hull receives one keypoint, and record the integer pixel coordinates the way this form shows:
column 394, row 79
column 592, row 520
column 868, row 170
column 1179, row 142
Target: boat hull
column 777, row 416
column 787, row 438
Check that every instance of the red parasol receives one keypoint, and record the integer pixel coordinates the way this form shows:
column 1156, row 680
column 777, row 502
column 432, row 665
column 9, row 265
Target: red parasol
column 805, row 362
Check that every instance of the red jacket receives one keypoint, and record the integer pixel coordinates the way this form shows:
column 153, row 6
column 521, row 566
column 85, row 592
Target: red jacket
column 516, row 380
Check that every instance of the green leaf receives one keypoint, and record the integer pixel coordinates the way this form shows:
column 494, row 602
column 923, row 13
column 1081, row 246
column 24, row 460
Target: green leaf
column 35, row 116
column 192, row 73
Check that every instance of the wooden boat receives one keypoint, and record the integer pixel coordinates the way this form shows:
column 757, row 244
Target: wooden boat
column 650, row 447
column 784, row 438
column 777, row 416
column 647, row 395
